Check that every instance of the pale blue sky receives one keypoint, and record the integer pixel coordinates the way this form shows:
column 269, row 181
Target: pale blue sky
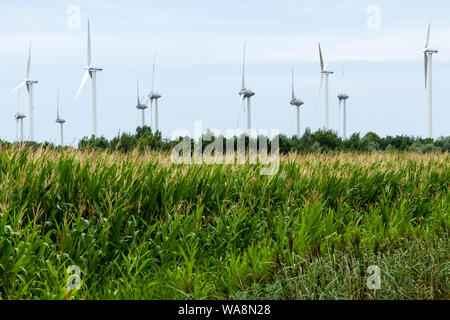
column 199, row 56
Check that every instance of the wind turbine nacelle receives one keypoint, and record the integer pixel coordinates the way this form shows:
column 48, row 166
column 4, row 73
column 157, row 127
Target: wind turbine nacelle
column 94, row 69
column 32, row 82
column 247, row 93
column 19, row 116
column 432, row 51
column 60, row 121
column 154, row 95
column 343, row 96
column 141, row 106
column 296, row 102
column 326, row 72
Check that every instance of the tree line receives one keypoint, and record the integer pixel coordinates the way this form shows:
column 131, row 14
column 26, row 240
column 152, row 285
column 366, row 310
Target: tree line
column 324, row 141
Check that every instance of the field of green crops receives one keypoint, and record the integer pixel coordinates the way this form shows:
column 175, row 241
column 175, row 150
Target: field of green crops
column 140, row 227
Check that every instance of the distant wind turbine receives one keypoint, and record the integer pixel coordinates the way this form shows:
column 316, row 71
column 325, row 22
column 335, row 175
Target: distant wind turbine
column 154, row 96
column 19, row 119
column 326, row 73
column 59, row 120
column 246, row 94
column 297, row 103
column 343, row 97
column 140, row 106
column 29, row 84
column 428, row 62
column 90, row 72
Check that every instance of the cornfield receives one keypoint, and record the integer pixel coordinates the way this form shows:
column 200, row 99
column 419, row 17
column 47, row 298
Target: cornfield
column 140, row 227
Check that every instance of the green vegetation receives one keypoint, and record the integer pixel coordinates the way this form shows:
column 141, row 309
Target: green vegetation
column 140, row 227
column 320, row 141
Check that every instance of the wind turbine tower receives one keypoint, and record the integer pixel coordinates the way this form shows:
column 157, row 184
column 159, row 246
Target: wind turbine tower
column 297, row 103
column 59, row 120
column 140, row 106
column 19, row 119
column 343, row 98
column 154, row 96
column 90, row 72
column 246, row 94
column 324, row 73
column 29, row 84
column 428, row 62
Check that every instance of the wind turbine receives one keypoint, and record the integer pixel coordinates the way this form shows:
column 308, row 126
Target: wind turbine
column 59, row 120
column 29, row 84
column 343, row 97
column 19, row 118
column 297, row 103
column 140, row 106
column 428, row 62
column 324, row 73
column 90, row 72
column 246, row 94
column 154, row 96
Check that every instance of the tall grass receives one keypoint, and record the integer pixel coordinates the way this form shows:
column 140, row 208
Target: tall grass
column 140, row 227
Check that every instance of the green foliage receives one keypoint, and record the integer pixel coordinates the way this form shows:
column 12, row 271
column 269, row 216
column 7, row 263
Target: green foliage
column 140, row 227
column 319, row 141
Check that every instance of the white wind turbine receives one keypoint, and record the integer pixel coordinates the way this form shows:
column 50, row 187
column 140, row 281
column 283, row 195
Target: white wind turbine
column 343, row 98
column 297, row 103
column 59, row 120
column 140, row 106
column 19, row 119
column 90, row 72
column 29, row 84
column 324, row 73
column 246, row 94
column 428, row 62
column 154, row 96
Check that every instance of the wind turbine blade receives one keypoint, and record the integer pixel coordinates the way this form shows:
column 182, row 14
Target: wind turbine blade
column 138, row 99
column 17, row 129
column 29, row 62
column 425, row 56
column 83, row 82
column 242, row 103
column 243, row 67
column 89, row 54
column 23, row 83
column 320, row 88
column 293, row 94
column 57, row 106
column 153, row 71
column 342, row 80
column 322, row 66
column 428, row 35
